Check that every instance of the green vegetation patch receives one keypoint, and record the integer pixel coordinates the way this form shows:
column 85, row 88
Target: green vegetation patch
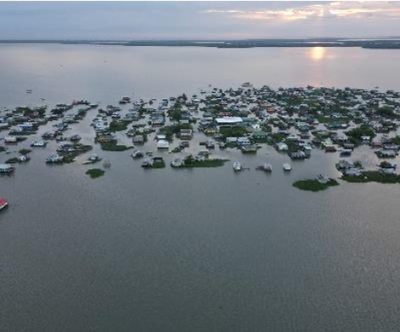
column 356, row 133
column 95, row 172
column 160, row 164
column 314, row 184
column 119, row 125
column 113, row 146
column 235, row 131
column 395, row 140
column 373, row 176
column 25, row 151
column 192, row 163
column 12, row 160
column 78, row 149
column 169, row 131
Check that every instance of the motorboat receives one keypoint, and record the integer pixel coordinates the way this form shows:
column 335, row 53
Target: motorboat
column 147, row 162
column 55, row 159
column 287, row 167
column 137, row 154
column 39, row 144
column 23, row 158
column 94, row 158
column 267, row 167
column 6, row 169
column 237, row 167
column 177, row 162
column 107, row 164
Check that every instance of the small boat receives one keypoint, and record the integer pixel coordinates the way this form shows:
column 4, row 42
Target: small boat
column 266, row 167
column 237, row 167
column 162, row 144
column 6, row 169
column 287, row 167
column 3, row 203
column 147, row 162
column 222, row 145
column 23, row 158
column 322, row 179
column 178, row 162
column 75, row 138
column 94, row 158
column 345, row 152
column 107, row 164
column 55, row 159
column 39, row 144
column 210, row 144
column 137, row 154
column 10, row 139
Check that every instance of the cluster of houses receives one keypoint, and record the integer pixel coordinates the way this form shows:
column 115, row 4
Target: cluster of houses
column 295, row 121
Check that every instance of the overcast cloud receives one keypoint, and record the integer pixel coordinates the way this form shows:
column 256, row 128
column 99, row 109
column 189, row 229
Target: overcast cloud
column 197, row 20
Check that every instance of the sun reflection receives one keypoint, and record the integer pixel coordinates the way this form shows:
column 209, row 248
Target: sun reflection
column 317, row 53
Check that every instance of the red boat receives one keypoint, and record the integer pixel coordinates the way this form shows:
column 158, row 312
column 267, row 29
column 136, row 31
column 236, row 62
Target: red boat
column 3, row 203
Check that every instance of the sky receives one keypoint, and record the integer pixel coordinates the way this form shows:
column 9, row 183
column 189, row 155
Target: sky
column 198, row 20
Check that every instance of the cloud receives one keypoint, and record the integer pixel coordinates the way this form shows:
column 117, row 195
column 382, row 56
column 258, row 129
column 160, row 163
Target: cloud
column 344, row 9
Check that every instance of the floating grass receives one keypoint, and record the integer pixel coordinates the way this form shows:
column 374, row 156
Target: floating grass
column 314, row 184
column 113, row 146
column 373, row 176
column 95, row 173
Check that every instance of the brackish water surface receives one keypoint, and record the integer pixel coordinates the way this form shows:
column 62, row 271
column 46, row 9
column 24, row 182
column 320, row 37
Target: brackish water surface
column 196, row 249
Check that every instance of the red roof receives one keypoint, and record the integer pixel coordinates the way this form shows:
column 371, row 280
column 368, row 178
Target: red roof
column 3, row 201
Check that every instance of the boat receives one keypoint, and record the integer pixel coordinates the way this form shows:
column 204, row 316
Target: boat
column 94, row 158
column 210, row 145
column 23, row 158
column 10, row 139
column 6, row 169
column 322, row 179
column 237, row 167
column 39, row 144
column 162, row 144
column 177, row 162
column 137, row 154
column 345, row 152
column 147, row 162
column 75, row 138
column 252, row 148
column 3, row 203
column 55, row 159
column 267, row 167
column 287, row 167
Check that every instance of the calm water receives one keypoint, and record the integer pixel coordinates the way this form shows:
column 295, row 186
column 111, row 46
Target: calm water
column 192, row 250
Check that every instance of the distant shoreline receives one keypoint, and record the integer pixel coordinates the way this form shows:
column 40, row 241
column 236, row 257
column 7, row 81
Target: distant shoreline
column 384, row 43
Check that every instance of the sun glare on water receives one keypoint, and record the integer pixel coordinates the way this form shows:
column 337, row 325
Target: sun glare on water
column 317, row 53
